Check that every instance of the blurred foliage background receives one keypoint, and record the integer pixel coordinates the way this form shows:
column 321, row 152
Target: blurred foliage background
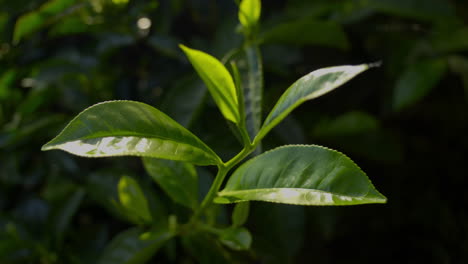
column 405, row 123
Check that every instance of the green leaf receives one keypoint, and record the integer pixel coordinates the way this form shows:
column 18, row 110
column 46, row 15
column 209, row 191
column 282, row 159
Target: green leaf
column 417, row 81
column 451, row 41
column 252, row 77
column 325, row 33
column 134, row 246
column 65, row 213
column 303, row 175
column 428, row 10
column 249, row 12
column 218, row 80
column 240, row 214
column 178, row 179
column 118, row 128
column 33, row 21
column 310, row 86
column 133, row 200
column 176, row 105
column 6, row 82
column 236, row 238
column 205, row 248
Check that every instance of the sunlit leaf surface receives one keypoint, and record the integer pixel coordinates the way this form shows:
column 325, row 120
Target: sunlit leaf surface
column 218, row 80
column 119, row 128
column 304, row 175
column 312, row 85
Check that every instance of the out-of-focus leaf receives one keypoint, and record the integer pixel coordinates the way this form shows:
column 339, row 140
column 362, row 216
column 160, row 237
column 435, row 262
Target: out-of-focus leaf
column 205, row 248
column 65, row 213
column 416, row 81
column 133, row 199
column 307, row 32
column 249, row 12
column 236, row 238
column 419, row 9
column 240, row 214
column 178, row 179
column 103, row 188
column 176, row 105
column 452, row 41
column 350, row 123
column 33, row 21
column 135, row 246
column 218, row 80
column 69, row 25
column 6, row 80
column 279, row 239
column 310, row 86
column 119, row 128
column 303, row 175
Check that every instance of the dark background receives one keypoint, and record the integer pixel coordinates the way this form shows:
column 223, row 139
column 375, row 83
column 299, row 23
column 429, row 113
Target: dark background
column 405, row 123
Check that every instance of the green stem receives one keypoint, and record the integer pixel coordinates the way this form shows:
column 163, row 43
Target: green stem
column 223, row 170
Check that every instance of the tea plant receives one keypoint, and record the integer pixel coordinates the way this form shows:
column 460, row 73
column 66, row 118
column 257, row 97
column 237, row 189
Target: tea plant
column 292, row 174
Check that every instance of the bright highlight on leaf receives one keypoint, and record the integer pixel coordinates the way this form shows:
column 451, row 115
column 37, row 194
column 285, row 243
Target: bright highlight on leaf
column 312, row 85
column 218, row 80
column 128, row 128
column 303, row 175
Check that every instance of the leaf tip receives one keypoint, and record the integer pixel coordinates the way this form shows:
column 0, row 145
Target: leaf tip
column 375, row 64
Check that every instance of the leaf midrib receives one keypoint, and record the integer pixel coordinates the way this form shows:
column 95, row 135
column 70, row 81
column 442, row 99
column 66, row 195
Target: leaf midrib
column 227, row 193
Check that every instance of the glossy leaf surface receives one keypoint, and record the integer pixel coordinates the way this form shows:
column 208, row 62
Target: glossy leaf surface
column 236, row 238
column 218, row 80
column 134, row 246
column 249, row 12
column 133, row 200
column 118, row 128
column 303, row 175
column 178, row 179
column 312, row 85
column 416, row 81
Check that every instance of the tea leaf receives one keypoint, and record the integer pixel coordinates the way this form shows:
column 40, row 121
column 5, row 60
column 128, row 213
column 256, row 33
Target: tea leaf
column 303, row 175
column 128, row 128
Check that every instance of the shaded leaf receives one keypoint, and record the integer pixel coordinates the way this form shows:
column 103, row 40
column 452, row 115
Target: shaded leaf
column 236, row 238
column 133, row 200
column 252, row 87
column 240, row 214
column 416, row 81
column 64, row 216
column 178, row 179
column 176, row 105
column 351, row 123
column 312, row 85
column 419, row 9
column 33, row 21
column 303, row 175
column 307, row 32
column 205, row 248
column 218, row 80
column 134, row 246
column 118, row 128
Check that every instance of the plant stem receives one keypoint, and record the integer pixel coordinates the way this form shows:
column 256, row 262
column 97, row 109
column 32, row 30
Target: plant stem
column 223, row 170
